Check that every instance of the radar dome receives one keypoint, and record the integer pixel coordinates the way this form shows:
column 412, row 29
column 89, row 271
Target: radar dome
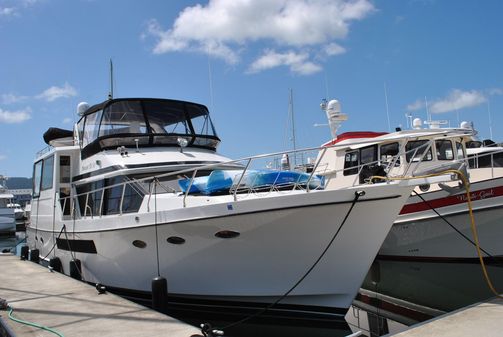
column 82, row 107
column 416, row 123
column 466, row 125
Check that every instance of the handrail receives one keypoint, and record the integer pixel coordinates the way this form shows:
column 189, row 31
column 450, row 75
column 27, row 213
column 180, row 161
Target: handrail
column 244, row 164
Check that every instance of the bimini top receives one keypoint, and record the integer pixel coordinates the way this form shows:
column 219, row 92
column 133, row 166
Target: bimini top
column 145, row 122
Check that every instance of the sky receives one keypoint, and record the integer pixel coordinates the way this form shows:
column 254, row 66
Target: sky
column 382, row 59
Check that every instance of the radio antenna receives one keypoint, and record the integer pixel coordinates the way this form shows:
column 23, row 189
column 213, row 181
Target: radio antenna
column 111, row 92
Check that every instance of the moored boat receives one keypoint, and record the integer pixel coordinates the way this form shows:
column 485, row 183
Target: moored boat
column 138, row 190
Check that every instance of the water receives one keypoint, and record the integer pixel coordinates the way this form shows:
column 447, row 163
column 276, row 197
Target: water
column 434, row 288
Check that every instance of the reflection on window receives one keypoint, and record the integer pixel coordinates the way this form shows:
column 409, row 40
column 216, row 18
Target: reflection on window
column 460, row 150
column 368, row 154
column 123, row 117
column 37, row 178
column 47, row 173
column 444, row 150
column 351, row 163
column 388, row 152
column 415, row 149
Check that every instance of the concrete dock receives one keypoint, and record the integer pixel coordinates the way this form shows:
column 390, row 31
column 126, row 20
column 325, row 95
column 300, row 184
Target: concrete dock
column 74, row 308
column 480, row 319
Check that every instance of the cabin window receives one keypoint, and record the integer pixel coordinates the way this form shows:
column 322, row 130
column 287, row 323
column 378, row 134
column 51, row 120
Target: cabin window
column 113, row 196
column 37, row 178
column 487, row 160
column 368, row 155
column 388, row 152
column 460, row 150
column 444, row 150
column 64, row 169
column 105, row 197
column 415, row 149
column 351, row 162
column 47, row 173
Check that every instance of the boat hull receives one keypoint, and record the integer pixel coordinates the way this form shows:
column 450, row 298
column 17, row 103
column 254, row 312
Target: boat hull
column 423, row 235
column 279, row 239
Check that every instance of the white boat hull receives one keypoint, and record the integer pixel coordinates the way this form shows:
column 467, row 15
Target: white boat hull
column 422, row 235
column 280, row 239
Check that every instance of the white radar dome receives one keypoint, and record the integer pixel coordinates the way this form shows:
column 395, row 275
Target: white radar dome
column 466, row 125
column 82, row 107
column 416, row 123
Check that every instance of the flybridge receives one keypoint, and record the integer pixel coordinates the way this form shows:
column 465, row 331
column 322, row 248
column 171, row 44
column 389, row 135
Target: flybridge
column 145, row 122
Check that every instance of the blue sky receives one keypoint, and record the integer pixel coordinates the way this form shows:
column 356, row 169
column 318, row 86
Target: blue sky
column 55, row 54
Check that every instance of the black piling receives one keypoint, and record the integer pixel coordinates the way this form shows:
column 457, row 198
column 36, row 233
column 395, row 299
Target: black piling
column 55, row 264
column 160, row 294
column 75, row 268
column 25, row 253
column 35, row 255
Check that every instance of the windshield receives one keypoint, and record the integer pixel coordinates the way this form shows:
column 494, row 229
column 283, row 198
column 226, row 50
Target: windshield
column 144, row 122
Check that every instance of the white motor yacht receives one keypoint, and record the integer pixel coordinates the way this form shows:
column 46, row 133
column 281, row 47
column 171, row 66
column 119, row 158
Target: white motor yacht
column 7, row 220
column 138, row 190
column 435, row 225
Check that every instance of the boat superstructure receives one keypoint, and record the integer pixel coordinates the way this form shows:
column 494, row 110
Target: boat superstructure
column 138, row 190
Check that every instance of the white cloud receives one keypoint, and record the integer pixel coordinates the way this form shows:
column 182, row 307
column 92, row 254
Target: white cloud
column 297, row 62
column 334, row 49
column 7, row 11
column 417, row 105
column 11, row 117
column 11, row 98
column 55, row 92
column 3, row 157
column 457, row 100
column 67, row 121
column 223, row 26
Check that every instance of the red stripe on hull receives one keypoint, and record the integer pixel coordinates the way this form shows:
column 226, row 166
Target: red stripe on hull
column 452, row 200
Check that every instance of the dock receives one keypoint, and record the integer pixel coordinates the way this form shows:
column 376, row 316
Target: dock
column 480, row 319
column 74, row 308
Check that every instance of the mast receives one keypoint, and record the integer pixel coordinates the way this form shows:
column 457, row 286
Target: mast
column 111, row 92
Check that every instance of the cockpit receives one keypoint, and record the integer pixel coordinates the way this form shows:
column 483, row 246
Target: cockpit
column 145, row 122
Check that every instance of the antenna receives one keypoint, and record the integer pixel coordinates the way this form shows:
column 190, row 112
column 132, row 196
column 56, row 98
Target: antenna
column 428, row 116
column 290, row 113
column 387, row 108
column 111, row 92
column 490, row 120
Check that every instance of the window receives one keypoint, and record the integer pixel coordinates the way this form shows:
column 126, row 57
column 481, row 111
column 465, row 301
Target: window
column 47, row 173
column 89, row 198
column 444, row 150
column 460, row 150
column 37, row 178
column 351, row 162
column 368, row 154
column 113, row 195
column 91, row 128
column 415, row 149
column 123, row 117
column 64, row 169
column 388, row 152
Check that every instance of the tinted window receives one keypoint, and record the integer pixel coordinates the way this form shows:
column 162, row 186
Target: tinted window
column 444, row 150
column 368, row 154
column 416, row 148
column 388, row 152
column 351, row 163
column 47, row 173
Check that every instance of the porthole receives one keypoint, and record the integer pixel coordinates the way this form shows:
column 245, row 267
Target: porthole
column 424, row 187
column 139, row 244
column 226, row 234
column 176, row 240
